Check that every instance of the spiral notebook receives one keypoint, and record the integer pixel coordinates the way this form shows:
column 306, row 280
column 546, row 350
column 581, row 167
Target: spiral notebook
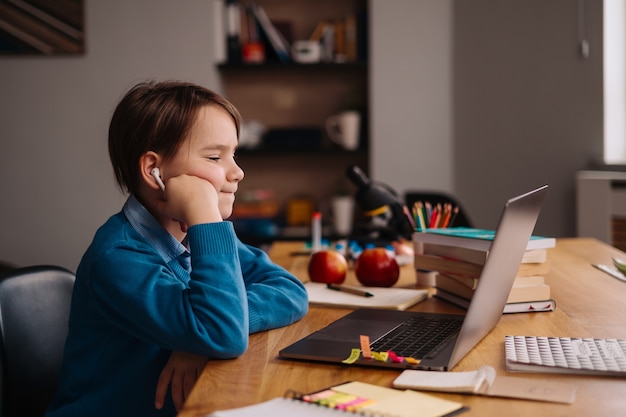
column 354, row 398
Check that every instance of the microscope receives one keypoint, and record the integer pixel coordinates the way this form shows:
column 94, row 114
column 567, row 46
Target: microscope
column 388, row 218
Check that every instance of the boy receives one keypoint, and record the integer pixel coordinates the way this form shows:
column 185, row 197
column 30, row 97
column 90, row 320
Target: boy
column 165, row 285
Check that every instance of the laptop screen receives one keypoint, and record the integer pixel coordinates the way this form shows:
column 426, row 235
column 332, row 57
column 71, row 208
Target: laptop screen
column 514, row 229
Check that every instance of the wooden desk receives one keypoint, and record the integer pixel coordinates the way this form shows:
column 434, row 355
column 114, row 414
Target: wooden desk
column 590, row 303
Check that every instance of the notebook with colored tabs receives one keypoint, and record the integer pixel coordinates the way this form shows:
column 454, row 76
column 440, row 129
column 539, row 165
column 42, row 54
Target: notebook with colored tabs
column 430, row 341
column 352, row 398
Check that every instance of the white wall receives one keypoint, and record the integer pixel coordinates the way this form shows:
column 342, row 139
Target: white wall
column 528, row 107
column 411, row 94
column 487, row 99
column 55, row 177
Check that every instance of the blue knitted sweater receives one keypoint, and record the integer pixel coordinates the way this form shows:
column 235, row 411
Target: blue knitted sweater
column 140, row 294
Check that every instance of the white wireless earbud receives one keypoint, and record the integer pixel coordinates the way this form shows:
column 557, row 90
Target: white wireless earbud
column 157, row 176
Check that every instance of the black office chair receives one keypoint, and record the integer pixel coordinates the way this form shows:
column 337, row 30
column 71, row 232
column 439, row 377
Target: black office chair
column 436, row 197
column 34, row 312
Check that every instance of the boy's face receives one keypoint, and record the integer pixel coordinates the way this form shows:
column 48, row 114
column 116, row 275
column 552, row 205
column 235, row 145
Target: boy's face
column 209, row 153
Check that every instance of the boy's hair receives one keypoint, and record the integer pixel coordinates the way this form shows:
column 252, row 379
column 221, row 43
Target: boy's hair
column 156, row 116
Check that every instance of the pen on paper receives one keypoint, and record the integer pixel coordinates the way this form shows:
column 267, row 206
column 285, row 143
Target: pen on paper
column 350, row 290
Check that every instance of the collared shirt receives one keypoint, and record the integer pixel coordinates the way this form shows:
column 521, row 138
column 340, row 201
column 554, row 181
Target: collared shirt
column 147, row 226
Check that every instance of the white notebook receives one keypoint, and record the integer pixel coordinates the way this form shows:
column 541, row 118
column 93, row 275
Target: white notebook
column 392, row 298
column 566, row 355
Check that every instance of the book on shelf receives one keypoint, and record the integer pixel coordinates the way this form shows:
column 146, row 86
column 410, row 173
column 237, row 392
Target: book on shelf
column 472, row 238
column 351, row 38
column 252, row 46
column 535, row 306
column 340, row 41
column 353, row 398
column 478, row 256
column 274, row 38
column 318, row 31
column 328, row 43
column 331, row 38
column 233, row 30
column 467, row 269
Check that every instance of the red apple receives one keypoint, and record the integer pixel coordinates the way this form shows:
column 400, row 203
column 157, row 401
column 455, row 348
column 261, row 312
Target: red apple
column 376, row 267
column 328, row 266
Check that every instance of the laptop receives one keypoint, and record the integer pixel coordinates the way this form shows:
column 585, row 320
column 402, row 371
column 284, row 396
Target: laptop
column 434, row 341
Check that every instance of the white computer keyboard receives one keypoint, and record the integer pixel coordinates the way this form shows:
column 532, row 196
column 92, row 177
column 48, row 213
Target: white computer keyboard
column 566, row 355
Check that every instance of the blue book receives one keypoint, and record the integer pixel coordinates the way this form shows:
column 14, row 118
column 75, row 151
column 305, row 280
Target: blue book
column 274, row 38
column 471, row 238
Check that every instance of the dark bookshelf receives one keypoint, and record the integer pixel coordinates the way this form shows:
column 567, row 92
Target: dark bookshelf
column 292, row 101
column 317, row 151
column 290, row 66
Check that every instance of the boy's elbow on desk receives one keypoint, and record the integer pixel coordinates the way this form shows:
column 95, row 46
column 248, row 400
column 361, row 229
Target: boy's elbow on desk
column 299, row 301
column 302, row 307
column 235, row 342
column 222, row 337
column 234, row 350
column 228, row 348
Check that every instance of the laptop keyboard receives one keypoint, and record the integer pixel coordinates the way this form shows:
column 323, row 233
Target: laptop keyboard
column 419, row 337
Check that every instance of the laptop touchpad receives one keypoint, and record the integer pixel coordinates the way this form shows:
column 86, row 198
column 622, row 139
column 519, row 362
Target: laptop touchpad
column 349, row 330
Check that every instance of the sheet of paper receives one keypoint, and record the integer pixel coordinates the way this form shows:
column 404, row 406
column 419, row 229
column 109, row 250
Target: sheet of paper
column 533, row 389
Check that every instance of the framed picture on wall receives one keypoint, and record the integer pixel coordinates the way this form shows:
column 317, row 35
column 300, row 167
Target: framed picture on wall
column 42, row 27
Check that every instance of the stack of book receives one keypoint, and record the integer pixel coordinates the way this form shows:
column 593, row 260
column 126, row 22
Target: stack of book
column 458, row 256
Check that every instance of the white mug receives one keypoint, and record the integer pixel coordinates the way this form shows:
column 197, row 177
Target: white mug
column 306, row 52
column 342, row 208
column 344, row 129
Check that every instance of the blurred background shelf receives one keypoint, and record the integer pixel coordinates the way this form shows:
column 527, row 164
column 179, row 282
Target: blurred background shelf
column 293, row 66
column 291, row 102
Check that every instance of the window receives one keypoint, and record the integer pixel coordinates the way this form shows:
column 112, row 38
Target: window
column 614, row 82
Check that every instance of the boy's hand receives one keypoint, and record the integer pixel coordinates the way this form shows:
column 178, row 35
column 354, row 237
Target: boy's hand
column 181, row 373
column 190, row 200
